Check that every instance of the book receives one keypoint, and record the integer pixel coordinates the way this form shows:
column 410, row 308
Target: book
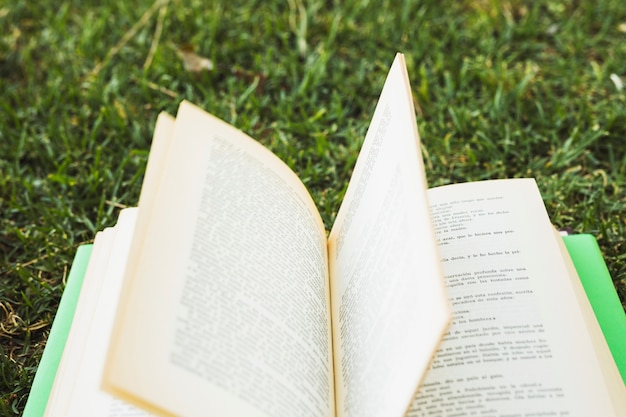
column 582, row 248
column 230, row 299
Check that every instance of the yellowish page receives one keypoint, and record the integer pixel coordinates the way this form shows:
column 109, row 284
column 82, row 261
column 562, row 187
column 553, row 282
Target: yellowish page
column 77, row 393
column 227, row 307
column 519, row 343
column 76, row 389
column 63, row 387
column 159, row 148
column 388, row 299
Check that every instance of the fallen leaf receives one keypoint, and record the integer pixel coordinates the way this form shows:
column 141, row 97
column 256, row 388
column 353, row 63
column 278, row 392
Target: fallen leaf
column 192, row 61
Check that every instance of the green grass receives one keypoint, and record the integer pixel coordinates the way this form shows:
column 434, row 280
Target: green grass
column 504, row 89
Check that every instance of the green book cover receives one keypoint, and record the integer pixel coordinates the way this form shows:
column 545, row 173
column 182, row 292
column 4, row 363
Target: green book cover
column 597, row 282
column 42, row 383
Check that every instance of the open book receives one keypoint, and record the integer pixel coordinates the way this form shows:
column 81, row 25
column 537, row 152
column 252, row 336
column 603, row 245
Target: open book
column 222, row 294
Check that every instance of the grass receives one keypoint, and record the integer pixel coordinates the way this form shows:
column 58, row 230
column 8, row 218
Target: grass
column 503, row 89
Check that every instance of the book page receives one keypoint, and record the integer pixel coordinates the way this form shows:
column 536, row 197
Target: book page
column 388, row 299
column 76, row 390
column 227, row 311
column 161, row 140
column 63, row 386
column 518, row 344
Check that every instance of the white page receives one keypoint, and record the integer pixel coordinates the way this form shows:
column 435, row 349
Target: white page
column 76, row 390
column 229, row 297
column 389, row 305
column 61, row 394
column 518, row 344
column 87, row 398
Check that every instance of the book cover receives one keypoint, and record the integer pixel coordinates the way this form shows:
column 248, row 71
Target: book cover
column 44, row 378
column 595, row 277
